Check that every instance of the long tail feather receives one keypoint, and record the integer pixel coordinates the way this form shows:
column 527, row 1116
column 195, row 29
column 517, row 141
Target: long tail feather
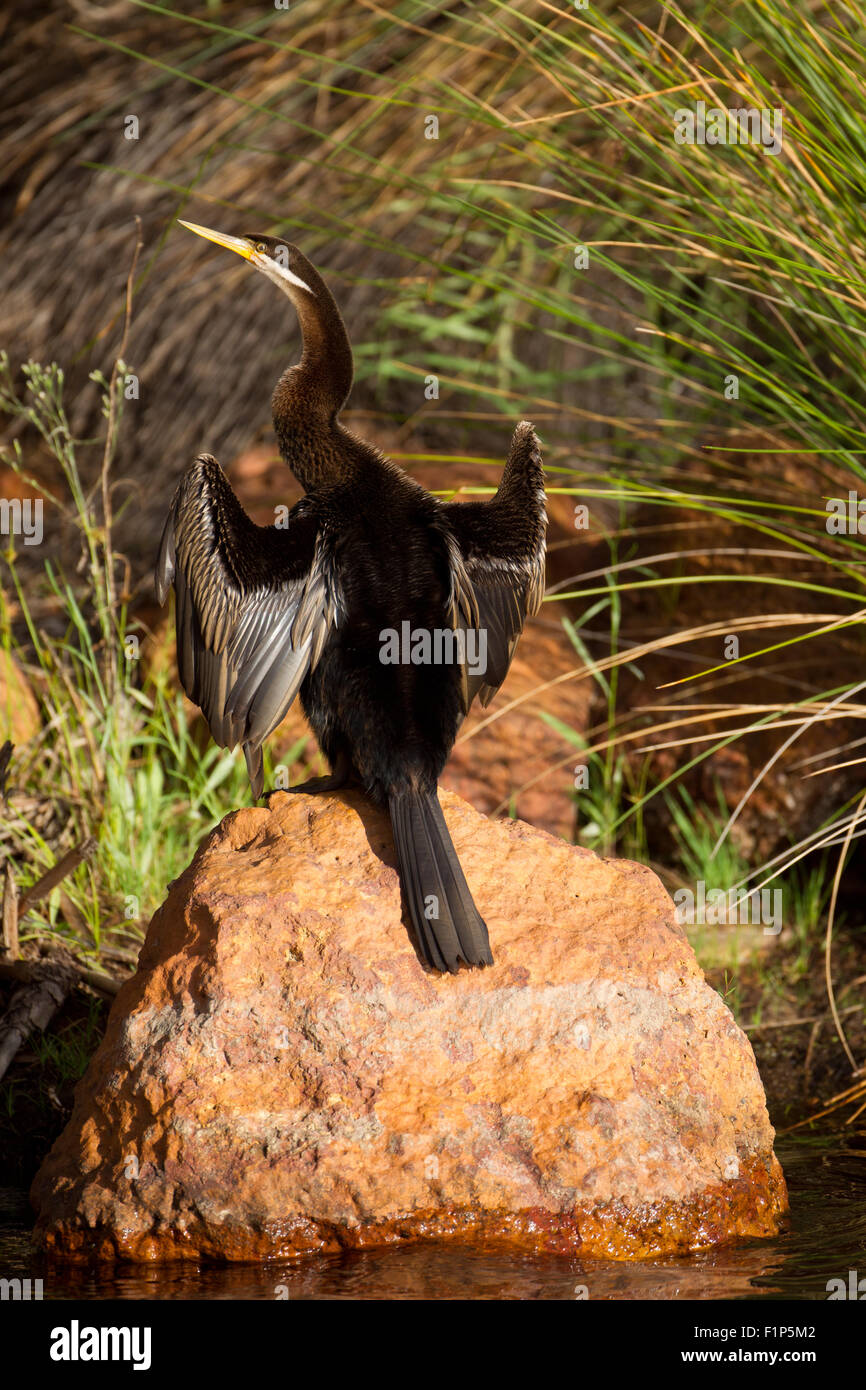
column 448, row 925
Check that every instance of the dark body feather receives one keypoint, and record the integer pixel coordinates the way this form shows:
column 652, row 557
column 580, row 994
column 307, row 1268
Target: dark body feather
column 265, row 614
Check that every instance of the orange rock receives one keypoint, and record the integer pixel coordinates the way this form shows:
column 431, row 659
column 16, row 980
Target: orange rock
column 282, row 1076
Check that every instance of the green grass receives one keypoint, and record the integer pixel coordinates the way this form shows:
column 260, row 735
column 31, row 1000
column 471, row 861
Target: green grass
column 119, row 749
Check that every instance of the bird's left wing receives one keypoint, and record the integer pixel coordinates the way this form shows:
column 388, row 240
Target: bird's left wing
column 500, row 562
column 254, row 606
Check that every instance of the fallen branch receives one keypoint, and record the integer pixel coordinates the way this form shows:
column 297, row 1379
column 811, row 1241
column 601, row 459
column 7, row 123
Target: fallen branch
column 32, row 1007
column 29, row 972
column 56, row 874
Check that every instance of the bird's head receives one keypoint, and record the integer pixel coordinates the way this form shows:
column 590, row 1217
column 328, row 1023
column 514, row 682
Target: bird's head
column 316, row 388
column 277, row 259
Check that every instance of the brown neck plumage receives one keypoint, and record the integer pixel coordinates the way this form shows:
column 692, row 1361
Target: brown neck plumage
column 310, row 395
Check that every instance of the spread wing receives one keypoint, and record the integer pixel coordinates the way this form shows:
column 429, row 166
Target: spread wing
column 501, row 545
column 254, row 606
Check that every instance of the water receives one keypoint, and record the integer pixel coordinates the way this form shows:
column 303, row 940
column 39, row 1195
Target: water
column 825, row 1239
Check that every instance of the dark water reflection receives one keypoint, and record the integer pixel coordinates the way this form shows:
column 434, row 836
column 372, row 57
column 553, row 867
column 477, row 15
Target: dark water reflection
column 826, row 1239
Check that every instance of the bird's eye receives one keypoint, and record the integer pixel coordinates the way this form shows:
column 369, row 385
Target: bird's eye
column 261, row 247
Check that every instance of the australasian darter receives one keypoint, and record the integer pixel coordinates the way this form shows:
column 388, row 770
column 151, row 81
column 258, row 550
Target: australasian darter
column 264, row 614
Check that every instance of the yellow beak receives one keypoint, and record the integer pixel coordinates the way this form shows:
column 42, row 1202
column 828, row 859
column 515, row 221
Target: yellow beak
column 232, row 243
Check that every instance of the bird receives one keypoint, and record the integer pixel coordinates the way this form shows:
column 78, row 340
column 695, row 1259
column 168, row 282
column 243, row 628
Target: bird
column 385, row 609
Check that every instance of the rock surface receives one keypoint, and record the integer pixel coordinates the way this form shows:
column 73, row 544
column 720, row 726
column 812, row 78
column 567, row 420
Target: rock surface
column 282, row 1075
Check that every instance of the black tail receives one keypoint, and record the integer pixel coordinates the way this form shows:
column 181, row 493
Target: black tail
column 448, row 925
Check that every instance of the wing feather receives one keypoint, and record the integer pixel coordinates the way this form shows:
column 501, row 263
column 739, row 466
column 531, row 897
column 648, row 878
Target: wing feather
column 501, row 553
column 254, row 607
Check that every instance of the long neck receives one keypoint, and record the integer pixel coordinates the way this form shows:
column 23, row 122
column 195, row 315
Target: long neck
column 310, row 395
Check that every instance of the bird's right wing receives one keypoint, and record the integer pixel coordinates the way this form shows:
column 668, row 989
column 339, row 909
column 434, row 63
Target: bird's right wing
column 254, row 606
column 500, row 562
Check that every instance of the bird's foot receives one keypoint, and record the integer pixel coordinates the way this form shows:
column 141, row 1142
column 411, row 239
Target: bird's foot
column 341, row 776
column 314, row 785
